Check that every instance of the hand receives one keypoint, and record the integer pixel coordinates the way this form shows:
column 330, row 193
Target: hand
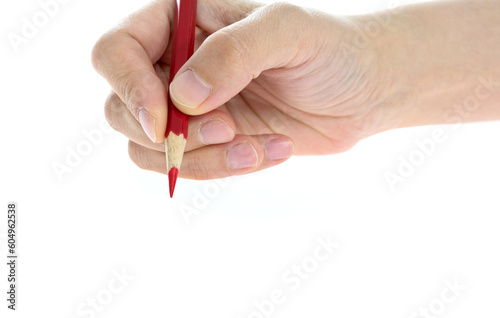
column 265, row 82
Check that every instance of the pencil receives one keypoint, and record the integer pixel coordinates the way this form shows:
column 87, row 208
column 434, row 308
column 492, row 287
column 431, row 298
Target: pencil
column 177, row 122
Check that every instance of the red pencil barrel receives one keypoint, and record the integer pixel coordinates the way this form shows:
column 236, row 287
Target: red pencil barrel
column 182, row 49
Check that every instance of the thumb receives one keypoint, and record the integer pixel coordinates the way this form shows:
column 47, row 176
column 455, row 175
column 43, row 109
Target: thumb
column 231, row 57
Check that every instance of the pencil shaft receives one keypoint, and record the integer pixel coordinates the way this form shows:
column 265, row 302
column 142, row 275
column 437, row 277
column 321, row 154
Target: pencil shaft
column 177, row 122
column 182, row 49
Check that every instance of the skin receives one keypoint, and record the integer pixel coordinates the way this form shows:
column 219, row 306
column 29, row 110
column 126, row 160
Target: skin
column 293, row 81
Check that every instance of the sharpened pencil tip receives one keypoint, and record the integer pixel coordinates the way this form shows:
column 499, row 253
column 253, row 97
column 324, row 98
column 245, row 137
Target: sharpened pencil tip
column 172, row 179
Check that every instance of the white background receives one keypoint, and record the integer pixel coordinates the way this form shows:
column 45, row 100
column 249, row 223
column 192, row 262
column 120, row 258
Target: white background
column 397, row 248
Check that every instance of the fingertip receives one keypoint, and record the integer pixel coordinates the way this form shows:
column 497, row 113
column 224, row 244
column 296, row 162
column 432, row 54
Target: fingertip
column 188, row 91
column 160, row 126
column 242, row 155
column 148, row 123
column 279, row 148
column 145, row 97
column 214, row 127
column 215, row 131
column 153, row 122
column 252, row 153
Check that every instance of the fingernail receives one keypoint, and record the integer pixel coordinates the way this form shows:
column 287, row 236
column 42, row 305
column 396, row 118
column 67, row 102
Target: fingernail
column 241, row 156
column 278, row 149
column 188, row 90
column 215, row 131
column 148, row 124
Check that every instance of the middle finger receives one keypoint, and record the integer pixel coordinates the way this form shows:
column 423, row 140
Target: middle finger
column 214, row 127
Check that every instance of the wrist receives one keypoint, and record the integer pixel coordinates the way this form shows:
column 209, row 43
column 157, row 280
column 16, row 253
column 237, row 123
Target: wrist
column 439, row 65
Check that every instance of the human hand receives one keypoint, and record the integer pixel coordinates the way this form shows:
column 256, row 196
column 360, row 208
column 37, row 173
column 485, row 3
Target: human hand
column 265, row 82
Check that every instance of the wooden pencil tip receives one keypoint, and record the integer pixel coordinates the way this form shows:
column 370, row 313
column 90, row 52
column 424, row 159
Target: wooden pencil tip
column 172, row 179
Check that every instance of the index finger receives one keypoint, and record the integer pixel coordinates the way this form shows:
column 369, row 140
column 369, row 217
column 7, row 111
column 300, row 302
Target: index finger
column 125, row 57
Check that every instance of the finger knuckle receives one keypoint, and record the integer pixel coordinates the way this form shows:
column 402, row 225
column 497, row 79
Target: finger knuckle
column 197, row 168
column 99, row 50
column 232, row 51
column 136, row 85
column 113, row 111
column 285, row 9
column 95, row 56
column 288, row 20
column 232, row 11
column 130, row 86
column 139, row 157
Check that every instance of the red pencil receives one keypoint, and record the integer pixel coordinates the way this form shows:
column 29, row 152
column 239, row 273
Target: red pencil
column 177, row 122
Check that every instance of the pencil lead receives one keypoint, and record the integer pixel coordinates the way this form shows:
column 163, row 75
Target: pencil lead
column 172, row 179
